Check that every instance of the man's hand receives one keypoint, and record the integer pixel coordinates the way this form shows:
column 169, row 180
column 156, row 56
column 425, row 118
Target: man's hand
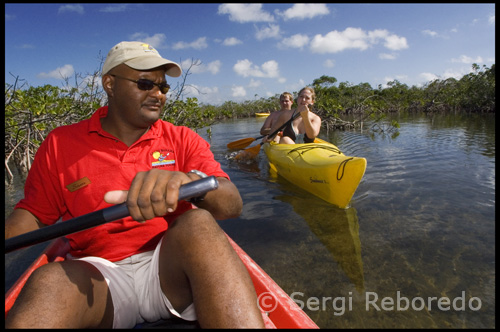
column 152, row 194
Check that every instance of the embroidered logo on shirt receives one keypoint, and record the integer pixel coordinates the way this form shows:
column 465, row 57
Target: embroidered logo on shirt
column 78, row 184
column 162, row 158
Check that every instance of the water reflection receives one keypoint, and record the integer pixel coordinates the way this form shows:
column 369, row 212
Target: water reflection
column 424, row 211
column 337, row 229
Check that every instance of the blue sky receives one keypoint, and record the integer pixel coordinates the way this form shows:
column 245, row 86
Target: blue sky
column 248, row 51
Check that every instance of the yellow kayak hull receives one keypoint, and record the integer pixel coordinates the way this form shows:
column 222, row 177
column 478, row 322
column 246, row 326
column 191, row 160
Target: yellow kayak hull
column 319, row 167
column 262, row 115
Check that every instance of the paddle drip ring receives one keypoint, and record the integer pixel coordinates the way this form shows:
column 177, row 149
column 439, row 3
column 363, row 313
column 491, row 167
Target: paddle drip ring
column 342, row 165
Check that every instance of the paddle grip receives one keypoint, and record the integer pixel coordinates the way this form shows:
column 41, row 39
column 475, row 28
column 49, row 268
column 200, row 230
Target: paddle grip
column 96, row 218
column 186, row 191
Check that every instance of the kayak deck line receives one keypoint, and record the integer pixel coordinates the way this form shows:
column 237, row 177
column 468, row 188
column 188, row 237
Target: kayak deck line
column 319, row 168
column 342, row 166
column 303, row 149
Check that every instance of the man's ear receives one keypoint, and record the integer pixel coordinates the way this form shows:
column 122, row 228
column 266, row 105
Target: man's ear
column 107, row 84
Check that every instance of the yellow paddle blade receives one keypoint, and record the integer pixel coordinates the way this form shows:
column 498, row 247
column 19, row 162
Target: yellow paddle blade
column 249, row 153
column 241, row 143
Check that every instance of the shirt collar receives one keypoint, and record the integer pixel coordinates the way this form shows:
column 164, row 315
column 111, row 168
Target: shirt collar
column 95, row 125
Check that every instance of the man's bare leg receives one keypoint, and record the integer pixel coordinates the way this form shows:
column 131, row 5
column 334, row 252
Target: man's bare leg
column 69, row 294
column 198, row 265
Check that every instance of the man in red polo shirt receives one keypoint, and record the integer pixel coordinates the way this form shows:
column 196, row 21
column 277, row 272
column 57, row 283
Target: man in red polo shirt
column 166, row 259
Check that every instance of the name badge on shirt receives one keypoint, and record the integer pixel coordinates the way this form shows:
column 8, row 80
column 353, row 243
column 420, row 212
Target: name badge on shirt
column 79, row 184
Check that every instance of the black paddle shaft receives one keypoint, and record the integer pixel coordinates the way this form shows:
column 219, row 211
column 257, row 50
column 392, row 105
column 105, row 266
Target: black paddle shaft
column 119, row 211
column 271, row 136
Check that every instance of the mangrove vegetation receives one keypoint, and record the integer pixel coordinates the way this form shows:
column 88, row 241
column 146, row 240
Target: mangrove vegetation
column 32, row 112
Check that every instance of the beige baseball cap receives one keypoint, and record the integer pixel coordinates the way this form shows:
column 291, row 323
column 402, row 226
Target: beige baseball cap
column 140, row 56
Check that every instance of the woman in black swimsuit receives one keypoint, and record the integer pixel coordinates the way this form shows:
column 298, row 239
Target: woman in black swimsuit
column 307, row 123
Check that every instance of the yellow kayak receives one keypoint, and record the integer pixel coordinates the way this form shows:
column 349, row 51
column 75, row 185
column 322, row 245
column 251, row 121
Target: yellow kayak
column 262, row 115
column 319, row 167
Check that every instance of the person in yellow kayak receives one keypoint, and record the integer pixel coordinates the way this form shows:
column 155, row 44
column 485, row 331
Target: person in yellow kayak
column 168, row 258
column 286, row 102
column 306, row 126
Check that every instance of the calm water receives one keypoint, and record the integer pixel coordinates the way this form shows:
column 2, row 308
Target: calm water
column 416, row 249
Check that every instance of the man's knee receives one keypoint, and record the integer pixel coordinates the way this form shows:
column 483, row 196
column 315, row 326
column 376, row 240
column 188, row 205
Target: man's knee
column 65, row 278
column 47, row 276
column 64, row 294
column 194, row 231
column 196, row 222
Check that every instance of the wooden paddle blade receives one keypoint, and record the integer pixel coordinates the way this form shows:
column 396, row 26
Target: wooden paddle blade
column 249, row 153
column 241, row 143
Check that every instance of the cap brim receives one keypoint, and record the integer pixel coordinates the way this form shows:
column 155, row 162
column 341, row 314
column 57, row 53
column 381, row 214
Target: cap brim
column 172, row 69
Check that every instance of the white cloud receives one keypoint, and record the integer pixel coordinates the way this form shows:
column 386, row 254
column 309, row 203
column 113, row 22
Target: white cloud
column 430, row 33
column 388, row 79
column 115, row 8
column 329, row 63
column 387, row 56
column 302, row 11
column 71, row 8
column 468, row 60
column 453, row 73
column 60, row 73
column 449, row 73
column 491, row 19
column 91, row 80
column 295, row 41
column 196, row 90
column 435, row 34
column 395, row 43
column 428, row 77
column 254, row 84
column 197, row 67
column 231, row 41
column 246, row 68
column 270, row 68
column 157, row 40
column 198, row 44
column 214, row 66
column 271, row 31
column 208, row 90
column 238, row 91
column 204, row 94
column 355, row 38
column 244, row 13
column 296, row 86
column 336, row 41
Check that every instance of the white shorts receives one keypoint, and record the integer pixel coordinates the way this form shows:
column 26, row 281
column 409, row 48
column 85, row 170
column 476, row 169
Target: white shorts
column 135, row 289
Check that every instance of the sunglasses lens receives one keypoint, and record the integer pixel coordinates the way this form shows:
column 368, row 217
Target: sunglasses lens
column 164, row 87
column 145, row 84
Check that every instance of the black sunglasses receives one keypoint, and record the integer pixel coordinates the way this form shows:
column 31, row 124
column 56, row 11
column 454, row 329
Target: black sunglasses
column 146, row 85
